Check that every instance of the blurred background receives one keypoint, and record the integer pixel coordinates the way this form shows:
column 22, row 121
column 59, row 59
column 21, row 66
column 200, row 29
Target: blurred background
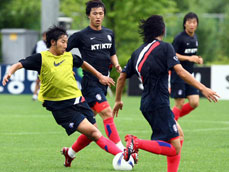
column 35, row 16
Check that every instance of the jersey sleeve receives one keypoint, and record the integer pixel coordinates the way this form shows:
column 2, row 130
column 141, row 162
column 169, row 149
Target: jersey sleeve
column 32, row 62
column 113, row 49
column 73, row 41
column 172, row 59
column 176, row 43
column 77, row 61
column 129, row 69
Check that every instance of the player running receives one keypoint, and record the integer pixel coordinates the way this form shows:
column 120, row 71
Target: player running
column 97, row 47
column 59, row 91
column 186, row 47
column 151, row 62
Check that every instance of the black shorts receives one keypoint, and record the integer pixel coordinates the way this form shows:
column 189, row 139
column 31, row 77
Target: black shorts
column 162, row 123
column 182, row 90
column 70, row 117
column 95, row 94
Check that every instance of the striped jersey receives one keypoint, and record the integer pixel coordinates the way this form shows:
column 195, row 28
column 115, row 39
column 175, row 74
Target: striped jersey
column 151, row 62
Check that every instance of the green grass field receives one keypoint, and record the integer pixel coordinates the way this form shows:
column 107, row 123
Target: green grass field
column 30, row 139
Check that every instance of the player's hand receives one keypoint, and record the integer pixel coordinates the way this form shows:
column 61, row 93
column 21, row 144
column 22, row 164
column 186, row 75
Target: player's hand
column 6, row 79
column 194, row 59
column 117, row 106
column 105, row 80
column 118, row 68
column 200, row 60
column 210, row 95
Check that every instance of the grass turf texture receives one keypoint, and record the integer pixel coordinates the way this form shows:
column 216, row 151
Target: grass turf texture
column 30, row 139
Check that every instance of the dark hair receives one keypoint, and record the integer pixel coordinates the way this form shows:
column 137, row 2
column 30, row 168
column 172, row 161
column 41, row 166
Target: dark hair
column 190, row 15
column 94, row 4
column 151, row 28
column 54, row 33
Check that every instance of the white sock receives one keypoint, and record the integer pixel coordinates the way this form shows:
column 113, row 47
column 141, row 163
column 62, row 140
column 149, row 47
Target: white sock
column 120, row 145
column 71, row 153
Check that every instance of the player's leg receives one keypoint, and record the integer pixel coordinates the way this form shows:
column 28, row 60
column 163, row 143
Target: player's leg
column 179, row 102
column 101, row 106
column 174, row 161
column 110, row 127
column 178, row 93
column 190, row 106
column 193, row 98
column 164, row 128
column 95, row 96
column 89, row 130
column 72, row 120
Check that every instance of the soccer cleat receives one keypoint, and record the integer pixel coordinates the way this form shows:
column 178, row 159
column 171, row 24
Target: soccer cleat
column 131, row 147
column 68, row 159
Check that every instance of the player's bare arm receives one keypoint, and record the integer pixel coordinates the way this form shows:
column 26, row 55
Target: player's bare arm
column 105, row 80
column 187, row 77
column 11, row 71
column 114, row 61
column 193, row 58
column 118, row 98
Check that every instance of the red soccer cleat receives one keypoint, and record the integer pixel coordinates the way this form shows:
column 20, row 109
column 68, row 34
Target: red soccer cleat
column 68, row 159
column 131, row 148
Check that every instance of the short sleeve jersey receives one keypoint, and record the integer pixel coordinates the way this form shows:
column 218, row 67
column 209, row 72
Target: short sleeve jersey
column 184, row 45
column 96, row 48
column 151, row 62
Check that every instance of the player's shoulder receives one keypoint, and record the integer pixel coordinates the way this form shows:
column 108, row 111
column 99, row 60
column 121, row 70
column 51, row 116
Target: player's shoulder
column 180, row 35
column 80, row 32
column 107, row 30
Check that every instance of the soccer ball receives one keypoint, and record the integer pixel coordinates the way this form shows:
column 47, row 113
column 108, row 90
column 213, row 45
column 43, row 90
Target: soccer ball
column 121, row 164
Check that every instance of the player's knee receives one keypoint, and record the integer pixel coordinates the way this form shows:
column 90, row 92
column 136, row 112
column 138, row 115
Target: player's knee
column 179, row 103
column 106, row 113
column 194, row 104
column 178, row 149
column 95, row 135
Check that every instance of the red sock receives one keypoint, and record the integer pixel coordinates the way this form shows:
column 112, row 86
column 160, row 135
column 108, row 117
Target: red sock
column 81, row 142
column 111, row 130
column 176, row 112
column 108, row 145
column 157, row 147
column 186, row 109
column 174, row 161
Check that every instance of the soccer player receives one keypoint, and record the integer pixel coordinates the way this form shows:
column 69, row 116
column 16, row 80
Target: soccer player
column 186, row 47
column 39, row 47
column 97, row 47
column 151, row 62
column 59, row 91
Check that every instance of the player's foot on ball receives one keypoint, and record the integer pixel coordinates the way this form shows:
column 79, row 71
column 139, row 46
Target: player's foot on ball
column 131, row 146
column 68, row 159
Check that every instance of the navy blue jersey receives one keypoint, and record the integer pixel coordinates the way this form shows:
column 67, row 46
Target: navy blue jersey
column 184, row 45
column 151, row 62
column 96, row 48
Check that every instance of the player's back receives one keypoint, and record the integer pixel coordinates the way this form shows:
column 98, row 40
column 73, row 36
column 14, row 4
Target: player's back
column 152, row 62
